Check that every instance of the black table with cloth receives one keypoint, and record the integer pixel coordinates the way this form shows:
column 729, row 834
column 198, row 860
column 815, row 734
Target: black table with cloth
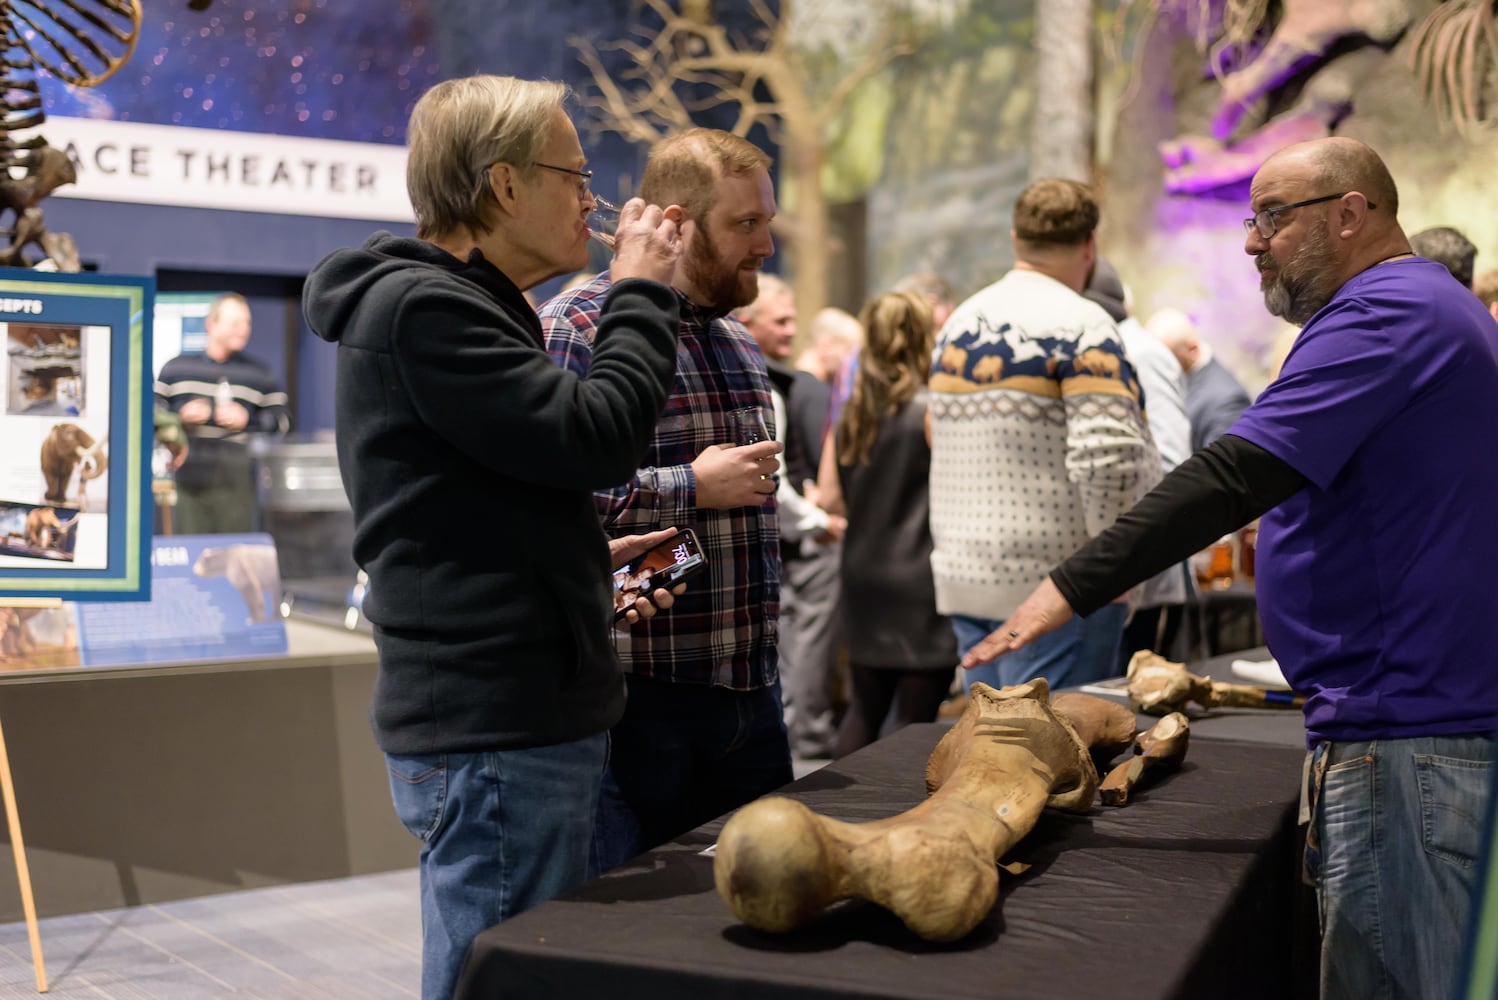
column 1189, row 891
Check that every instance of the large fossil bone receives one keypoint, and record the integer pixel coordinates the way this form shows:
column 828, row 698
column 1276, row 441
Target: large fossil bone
column 1157, row 686
column 778, row 864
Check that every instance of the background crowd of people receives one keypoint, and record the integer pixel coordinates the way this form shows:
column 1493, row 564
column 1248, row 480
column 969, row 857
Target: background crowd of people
column 978, row 479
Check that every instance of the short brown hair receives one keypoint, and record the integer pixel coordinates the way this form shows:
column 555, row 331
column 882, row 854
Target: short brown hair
column 685, row 168
column 457, row 130
column 1056, row 212
column 1486, row 287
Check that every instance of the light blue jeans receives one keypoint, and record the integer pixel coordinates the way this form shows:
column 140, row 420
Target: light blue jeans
column 1080, row 652
column 1392, row 848
column 501, row 832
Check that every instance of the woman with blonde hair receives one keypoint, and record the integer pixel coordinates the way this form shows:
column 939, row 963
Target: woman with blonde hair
column 875, row 472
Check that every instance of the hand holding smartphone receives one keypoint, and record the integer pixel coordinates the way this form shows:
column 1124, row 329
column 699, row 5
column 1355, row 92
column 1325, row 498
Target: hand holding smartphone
column 673, row 562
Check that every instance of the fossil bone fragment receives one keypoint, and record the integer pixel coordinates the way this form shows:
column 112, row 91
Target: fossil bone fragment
column 1162, row 745
column 1157, row 686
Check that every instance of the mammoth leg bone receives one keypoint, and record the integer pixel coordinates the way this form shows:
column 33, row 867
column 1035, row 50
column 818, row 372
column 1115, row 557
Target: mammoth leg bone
column 1107, row 727
column 778, row 864
column 1162, row 745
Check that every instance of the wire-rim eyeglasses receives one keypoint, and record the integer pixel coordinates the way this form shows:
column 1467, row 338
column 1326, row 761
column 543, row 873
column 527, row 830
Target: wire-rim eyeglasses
column 1266, row 223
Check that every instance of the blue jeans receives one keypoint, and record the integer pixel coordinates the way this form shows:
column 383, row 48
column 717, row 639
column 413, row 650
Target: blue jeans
column 1393, row 843
column 682, row 755
column 1080, row 652
column 500, row 831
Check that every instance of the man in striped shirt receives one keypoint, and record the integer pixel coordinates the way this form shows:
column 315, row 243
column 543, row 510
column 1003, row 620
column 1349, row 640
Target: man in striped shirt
column 223, row 396
column 702, row 731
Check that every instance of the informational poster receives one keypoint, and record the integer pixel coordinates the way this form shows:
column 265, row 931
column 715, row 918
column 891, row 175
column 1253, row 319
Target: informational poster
column 75, row 420
column 213, row 597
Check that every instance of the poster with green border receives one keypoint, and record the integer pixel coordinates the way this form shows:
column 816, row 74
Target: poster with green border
column 75, row 436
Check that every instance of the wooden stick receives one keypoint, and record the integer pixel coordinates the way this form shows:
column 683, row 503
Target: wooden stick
column 1226, row 695
column 23, row 873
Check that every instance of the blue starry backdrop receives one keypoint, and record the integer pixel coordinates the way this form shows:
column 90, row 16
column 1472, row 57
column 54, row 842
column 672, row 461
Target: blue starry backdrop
column 329, row 69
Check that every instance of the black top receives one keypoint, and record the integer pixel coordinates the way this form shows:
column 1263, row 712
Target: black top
column 216, row 454
column 1219, row 489
column 469, row 459
column 807, row 402
column 889, row 598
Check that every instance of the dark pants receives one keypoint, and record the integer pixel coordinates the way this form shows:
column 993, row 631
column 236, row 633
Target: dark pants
column 915, row 695
column 217, row 509
column 682, row 755
column 1155, row 629
column 215, row 496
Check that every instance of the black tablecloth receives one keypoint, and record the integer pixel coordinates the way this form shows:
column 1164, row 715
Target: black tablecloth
column 1189, row 891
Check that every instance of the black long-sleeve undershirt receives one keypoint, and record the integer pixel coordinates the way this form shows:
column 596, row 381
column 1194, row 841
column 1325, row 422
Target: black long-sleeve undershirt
column 1217, row 490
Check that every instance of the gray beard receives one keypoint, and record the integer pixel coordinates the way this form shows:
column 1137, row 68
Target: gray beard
column 1296, row 294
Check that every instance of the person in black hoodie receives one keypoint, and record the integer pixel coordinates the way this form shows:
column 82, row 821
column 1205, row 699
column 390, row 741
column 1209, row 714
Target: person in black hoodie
column 469, row 459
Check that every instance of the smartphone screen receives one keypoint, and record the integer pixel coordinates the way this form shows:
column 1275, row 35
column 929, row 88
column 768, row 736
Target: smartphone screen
column 668, row 564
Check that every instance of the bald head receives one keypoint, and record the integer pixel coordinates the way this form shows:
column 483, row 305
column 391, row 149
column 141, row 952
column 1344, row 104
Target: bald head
column 1337, row 163
column 1175, row 330
column 1343, row 164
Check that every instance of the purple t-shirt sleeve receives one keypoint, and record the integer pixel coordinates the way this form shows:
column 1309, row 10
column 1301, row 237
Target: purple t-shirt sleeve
column 1342, row 380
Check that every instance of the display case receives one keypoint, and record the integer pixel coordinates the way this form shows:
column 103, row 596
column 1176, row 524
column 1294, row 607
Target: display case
column 304, row 508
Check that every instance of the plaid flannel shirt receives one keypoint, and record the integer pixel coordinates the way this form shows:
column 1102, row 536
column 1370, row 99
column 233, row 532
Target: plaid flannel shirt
column 722, row 631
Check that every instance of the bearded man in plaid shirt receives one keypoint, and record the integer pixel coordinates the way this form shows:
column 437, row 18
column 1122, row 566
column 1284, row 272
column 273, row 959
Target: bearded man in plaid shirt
column 702, row 731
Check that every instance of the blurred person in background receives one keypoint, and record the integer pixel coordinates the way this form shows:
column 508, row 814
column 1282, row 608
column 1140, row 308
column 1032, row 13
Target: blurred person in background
column 1485, row 285
column 1214, row 396
column 810, row 640
column 222, row 397
column 835, row 337
column 1156, row 618
column 936, row 290
column 878, row 470
column 1449, row 248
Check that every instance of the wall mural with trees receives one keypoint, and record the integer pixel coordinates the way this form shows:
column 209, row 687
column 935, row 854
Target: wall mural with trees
column 902, row 129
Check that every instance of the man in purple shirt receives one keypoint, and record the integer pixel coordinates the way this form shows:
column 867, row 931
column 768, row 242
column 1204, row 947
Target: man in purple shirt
column 1367, row 460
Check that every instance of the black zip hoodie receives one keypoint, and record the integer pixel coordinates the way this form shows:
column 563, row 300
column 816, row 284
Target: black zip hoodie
column 470, row 458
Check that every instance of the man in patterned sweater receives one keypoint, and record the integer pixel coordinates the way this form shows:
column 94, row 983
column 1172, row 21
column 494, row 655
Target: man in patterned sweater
column 222, row 396
column 1038, row 440
column 702, row 731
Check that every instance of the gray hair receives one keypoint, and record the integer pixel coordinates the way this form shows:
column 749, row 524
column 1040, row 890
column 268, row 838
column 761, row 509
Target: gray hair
column 1448, row 247
column 457, row 130
column 769, row 287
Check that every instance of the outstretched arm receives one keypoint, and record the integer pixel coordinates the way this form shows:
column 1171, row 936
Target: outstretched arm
column 1217, row 490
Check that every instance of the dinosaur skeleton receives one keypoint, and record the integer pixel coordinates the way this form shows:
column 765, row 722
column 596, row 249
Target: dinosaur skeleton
column 81, row 42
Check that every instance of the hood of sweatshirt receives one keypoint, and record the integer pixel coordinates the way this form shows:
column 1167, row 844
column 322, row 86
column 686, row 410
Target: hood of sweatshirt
column 341, row 282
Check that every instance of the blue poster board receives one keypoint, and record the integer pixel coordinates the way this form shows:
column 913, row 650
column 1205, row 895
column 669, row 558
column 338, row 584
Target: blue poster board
column 75, row 419
column 213, row 597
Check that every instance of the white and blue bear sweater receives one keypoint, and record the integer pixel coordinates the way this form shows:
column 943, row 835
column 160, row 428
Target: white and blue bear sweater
column 1039, row 440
